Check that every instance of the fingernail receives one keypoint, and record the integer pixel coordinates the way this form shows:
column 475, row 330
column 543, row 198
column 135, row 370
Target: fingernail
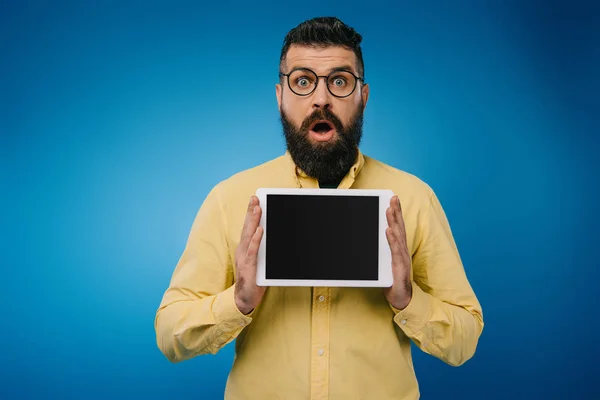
column 250, row 200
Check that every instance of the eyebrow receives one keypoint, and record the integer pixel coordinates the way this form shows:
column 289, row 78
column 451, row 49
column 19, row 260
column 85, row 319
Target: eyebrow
column 346, row 67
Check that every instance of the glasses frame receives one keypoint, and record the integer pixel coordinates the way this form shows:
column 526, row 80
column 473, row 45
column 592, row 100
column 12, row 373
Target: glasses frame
column 357, row 79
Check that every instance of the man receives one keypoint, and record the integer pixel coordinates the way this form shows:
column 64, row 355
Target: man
column 320, row 343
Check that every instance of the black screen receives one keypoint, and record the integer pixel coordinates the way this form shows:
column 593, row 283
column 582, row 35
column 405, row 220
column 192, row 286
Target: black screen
column 322, row 237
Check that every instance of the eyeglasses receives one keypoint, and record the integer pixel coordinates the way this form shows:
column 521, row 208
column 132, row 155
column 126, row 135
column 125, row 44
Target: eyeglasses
column 340, row 83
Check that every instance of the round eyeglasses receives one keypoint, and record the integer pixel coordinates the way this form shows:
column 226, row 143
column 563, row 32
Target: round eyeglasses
column 340, row 83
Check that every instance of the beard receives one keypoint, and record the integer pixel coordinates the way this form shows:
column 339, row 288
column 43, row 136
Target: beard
column 325, row 161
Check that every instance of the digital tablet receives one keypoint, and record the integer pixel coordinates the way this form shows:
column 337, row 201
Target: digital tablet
column 324, row 237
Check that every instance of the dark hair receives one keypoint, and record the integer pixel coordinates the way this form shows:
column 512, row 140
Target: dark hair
column 324, row 32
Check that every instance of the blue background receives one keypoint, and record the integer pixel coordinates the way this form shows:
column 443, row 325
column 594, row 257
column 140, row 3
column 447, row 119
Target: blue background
column 118, row 117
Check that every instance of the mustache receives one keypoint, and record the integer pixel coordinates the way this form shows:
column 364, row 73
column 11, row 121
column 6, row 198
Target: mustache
column 322, row 114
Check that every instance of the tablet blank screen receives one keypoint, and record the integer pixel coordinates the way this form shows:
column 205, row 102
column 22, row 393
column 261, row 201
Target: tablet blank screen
column 322, row 237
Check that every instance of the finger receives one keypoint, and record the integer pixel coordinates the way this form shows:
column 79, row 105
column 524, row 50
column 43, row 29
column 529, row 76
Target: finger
column 400, row 260
column 394, row 247
column 400, row 217
column 392, row 218
column 247, row 230
column 400, row 229
column 253, row 246
column 399, row 212
column 394, row 206
column 251, row 205
column 253, row 223
column 396, row 223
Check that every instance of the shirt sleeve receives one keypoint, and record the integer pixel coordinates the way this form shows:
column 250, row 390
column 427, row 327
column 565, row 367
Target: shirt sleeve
column 444, row 317
column 198, row 314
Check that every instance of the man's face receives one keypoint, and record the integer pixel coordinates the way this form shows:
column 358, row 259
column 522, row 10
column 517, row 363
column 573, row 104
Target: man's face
column 322, row 131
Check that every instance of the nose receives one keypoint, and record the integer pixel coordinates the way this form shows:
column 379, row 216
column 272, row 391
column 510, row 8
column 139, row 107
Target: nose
column 321, row 95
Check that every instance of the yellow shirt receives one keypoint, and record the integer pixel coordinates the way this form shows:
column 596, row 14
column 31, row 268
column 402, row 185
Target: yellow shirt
column 319, row 343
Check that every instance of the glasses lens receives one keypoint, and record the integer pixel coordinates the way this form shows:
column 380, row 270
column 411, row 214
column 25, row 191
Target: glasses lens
column 341, row 83
column 302, row 81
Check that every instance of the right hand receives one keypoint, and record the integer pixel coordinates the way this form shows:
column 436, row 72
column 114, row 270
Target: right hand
column 247, row 294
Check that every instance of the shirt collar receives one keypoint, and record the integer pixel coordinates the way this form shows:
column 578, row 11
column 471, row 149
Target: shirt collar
column 305, row 181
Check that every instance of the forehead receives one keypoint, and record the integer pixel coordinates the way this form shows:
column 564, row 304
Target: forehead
column 320, row 59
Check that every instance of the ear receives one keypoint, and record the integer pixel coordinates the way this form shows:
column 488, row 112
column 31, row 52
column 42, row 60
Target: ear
column 365, row 95
column 278, row 94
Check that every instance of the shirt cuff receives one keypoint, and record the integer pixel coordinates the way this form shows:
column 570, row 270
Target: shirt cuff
column 416, row 314
column 226, row 313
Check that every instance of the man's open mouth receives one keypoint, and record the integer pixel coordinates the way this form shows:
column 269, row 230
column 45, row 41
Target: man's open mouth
column 321, row 127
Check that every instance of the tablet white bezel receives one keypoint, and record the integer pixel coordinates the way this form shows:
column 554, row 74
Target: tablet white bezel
column 385, row 255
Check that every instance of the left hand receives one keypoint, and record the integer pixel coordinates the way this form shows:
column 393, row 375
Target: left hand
column 400, row 293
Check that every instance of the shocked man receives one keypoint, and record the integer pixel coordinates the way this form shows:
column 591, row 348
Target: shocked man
column 320, row 342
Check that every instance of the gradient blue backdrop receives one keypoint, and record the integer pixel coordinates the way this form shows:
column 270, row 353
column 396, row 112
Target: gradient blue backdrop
column 117, row 118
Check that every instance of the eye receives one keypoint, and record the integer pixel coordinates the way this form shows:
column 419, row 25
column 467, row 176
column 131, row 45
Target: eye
column 303, row 82
column 339, row 81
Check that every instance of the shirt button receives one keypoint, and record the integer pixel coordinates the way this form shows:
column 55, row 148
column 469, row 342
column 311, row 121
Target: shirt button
column 403, row 322
column 321, row 352
column 321, row 298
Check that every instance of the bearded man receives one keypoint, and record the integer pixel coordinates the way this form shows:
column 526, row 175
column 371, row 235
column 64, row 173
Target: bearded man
column 338, row 343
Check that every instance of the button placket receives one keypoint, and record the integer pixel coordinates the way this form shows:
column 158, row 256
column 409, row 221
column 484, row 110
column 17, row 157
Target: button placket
column 320, row 343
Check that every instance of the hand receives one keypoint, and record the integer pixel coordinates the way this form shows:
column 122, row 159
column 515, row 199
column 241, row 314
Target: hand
column 400, row 293
column 247, row 294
